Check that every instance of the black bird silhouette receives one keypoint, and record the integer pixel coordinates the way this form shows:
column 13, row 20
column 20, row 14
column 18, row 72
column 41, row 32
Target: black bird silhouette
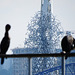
column 5, row 42
column 68, row 44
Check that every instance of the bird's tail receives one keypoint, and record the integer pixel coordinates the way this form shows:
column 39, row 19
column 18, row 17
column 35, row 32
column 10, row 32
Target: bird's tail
column 66, row 57
column 2, row 60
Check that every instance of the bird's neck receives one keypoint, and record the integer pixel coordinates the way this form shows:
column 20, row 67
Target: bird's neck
column 6, row 34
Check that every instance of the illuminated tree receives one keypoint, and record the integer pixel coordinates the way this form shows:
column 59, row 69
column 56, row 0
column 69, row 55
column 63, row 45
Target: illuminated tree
column 44, row 35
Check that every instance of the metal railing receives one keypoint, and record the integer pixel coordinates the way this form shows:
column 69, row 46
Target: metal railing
column 40, row 55
column 36, row 55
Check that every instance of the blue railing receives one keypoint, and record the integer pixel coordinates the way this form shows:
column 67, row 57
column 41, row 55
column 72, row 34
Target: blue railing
column 57, row 68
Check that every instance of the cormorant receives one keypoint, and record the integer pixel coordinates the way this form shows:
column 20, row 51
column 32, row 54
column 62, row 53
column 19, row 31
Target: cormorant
column 5, row 42
column 68, row 44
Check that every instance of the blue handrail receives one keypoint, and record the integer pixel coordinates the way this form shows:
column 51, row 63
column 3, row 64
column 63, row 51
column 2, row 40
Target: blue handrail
column 53, row 69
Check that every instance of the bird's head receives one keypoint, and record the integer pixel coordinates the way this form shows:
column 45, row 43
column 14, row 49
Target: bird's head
column 7, row 27
column 70, row 39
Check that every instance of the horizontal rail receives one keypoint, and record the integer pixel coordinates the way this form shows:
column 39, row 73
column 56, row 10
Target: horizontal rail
column 36, row 55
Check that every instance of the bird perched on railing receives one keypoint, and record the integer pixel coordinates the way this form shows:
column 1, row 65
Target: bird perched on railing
column 67, row 44
column 5, row 42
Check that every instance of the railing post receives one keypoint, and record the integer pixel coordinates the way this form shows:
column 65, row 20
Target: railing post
column 63, row 64
column 30, row 66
